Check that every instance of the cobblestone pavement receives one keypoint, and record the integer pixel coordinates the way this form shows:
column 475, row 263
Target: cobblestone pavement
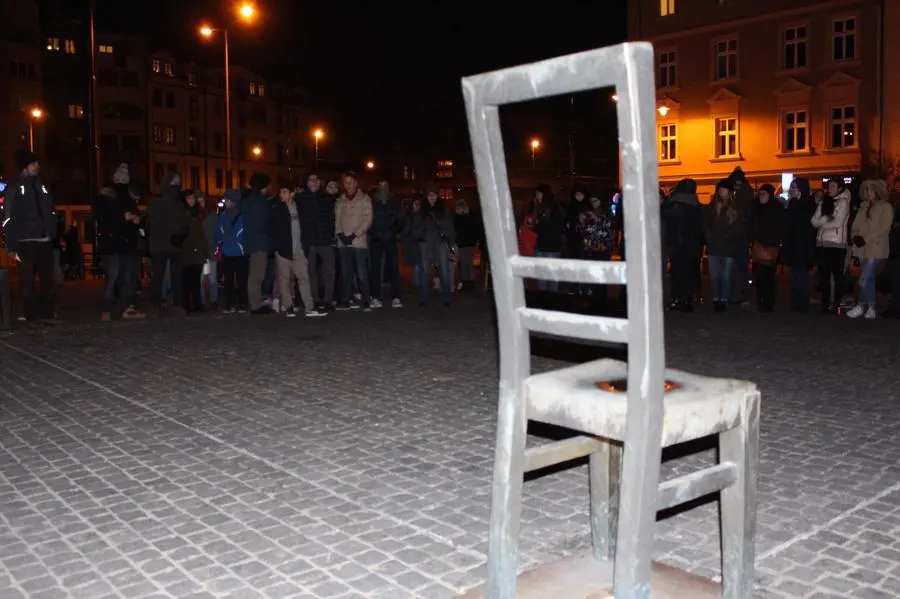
column 350, row 456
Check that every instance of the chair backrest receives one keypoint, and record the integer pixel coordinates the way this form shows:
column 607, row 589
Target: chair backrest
column 629, row 68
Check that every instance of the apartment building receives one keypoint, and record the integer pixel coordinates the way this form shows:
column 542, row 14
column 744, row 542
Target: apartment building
column 781, row 88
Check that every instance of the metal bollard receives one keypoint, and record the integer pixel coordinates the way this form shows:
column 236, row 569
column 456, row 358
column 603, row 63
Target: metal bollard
column 6, row 312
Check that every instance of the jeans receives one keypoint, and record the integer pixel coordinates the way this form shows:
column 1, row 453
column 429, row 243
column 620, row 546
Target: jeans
column 354, row 266
column 440, row 257
column 192, row 287
column 321, row 273
column 118, row 269
column 211, row 279
column 235, row 271
column 36, row 257
column 544, row 285
column 161, row 262
column 867, row 273
column 418, row 276
column 384, row 254
column 720, row 272
column 799, row 275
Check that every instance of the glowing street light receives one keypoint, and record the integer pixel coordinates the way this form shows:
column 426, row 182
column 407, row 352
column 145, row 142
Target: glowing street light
column 370, row 165
column 35, row 114
column 318, row 134
column 247, row 11
column 257, row 151
column 614, row 98
column 535, row 144
column 663, row 110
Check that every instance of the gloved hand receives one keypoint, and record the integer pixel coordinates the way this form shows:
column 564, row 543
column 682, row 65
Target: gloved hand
column 349, row 238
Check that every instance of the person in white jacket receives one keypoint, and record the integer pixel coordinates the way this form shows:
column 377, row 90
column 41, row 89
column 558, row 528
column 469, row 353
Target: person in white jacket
column 830, row 219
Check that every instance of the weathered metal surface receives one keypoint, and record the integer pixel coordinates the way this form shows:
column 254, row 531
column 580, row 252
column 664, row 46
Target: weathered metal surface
column 574, row 326
column 569, row 271
column 695, row 485
column 544, row 456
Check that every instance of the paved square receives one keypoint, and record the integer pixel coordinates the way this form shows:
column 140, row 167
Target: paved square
column 350, row 456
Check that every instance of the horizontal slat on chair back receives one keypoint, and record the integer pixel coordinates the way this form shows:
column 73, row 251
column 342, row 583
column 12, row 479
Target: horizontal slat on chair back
column 586, row 272
column 574, row 326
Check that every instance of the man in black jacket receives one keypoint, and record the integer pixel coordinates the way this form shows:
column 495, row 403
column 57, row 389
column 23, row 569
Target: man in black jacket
column 116, row 216
column 30, row 224
column 387, row 223
column 316, row 211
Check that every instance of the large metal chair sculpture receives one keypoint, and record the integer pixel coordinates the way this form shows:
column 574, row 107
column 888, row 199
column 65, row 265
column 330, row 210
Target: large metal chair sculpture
column 639, row 406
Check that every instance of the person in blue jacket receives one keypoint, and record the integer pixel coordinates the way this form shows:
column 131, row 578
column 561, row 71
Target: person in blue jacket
column 235, row 261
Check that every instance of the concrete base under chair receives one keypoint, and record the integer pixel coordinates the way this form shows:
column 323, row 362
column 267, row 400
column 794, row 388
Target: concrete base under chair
column 582, row 577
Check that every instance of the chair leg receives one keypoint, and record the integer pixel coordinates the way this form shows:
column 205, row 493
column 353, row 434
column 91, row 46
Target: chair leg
column 605, row 469
column 506, row 506
column 737, row 506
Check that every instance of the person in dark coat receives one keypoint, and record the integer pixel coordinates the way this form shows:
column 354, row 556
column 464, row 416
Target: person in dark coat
column 468, row 235
column 316, row 211
column 433, row 228
column 550, row 226
column 167, row 226
column 726, row 233
column 29, row 223
column 195, row 253
column 745, row 202
column 409, row 246
column 799, row 250
column 681, row 226
column 256, row 210
column 384, row 252
column 767, row 236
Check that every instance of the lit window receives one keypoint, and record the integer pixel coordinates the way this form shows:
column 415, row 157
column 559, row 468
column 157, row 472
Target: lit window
column 169, row 133
column 795, row 44
column 666, row 8
column 70, row 46
column 726, row 138
column 105, row 49
column 168, row 69
column 261, row 90
column 53, row 44
column 667, row 69
column 252, row 89
column 726, row 59
column 157, row 134
column 795, row 136
column 76, row 111
column 844, row 39
column 668, row 142
column 155, row 66
column 843, row 127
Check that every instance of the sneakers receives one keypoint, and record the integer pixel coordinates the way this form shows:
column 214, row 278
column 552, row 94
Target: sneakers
column 229, row 311
column 276, row 305
column 342, row 307
column 856, row 311
column 131, row 313
column 871, row 314
column 314, row 313
column 376, row 303
column 291, row 312
column 367, row 307
column 396, row 303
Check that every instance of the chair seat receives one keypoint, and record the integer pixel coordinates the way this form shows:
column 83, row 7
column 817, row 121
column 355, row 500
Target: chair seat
column 570, row 397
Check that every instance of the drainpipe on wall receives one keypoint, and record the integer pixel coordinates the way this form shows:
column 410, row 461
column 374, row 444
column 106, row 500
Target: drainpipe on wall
column 879, row 73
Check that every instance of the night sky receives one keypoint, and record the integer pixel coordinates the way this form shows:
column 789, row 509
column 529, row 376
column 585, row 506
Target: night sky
column 376, row 70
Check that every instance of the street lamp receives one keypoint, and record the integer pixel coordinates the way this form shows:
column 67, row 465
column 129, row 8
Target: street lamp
column 614, row 98
column 35, row 114
column 370, row 165
column 318, row 134
column 257, row 151
column 535, row 144
column 246, row 12
column 663, row 110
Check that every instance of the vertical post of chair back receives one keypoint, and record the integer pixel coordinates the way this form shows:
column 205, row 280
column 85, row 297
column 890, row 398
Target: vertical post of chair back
column 646, row 353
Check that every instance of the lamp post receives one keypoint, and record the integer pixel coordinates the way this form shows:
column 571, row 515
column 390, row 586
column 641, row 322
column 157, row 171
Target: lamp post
column 246, row 12
column 535, row 144
column 34, row 114
column 318, row 134
column 370, row 165
column 257, row 151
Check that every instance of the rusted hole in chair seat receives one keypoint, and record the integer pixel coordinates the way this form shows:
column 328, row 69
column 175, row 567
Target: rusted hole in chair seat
column 621, row 386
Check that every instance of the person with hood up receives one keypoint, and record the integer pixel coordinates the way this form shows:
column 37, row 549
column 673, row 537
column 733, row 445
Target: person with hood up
column 167, row 225
column 256, row 211
column 870, row 239
column 830, row 218
column 550, row 227
column 433, row 228
column 29, row 223
column 353, row 219
column 117, row 221
column 767, row 237
column 681, row 225
column 232, row 253
column 384, row 253
column 745, row 201
column 799, row 250
column 725, row 234
column 316, row 212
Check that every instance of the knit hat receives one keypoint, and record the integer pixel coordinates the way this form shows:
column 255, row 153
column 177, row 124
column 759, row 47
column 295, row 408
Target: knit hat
column 232, row 195
column 769, row 189
column 725, row 184
column 122, row 176
column 24, row 158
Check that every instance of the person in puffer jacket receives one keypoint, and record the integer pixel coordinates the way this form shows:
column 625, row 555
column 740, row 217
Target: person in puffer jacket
column 233, row 254
column 830, row 220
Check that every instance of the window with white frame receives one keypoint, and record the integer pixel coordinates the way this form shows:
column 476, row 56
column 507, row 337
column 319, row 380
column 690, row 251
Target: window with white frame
column 260, row 90
column 843, row 127
column 796, row 40
column 105, row 49
column 843, row 39
column 53, row 44
column 667, row 69
column 252, row 88
column 794, row 131
column 727, row 137
column 70, row 46
column 666, row 8
column 157, row 134
column 726, row 59
column 668, row 142
column 155, row 66
column 168, row 69
column 169, row 135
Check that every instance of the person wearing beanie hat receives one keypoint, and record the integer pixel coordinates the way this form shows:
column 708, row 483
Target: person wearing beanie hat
column 30, row 224
column 768, row 235
column 233, row 254
column 725, row 232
